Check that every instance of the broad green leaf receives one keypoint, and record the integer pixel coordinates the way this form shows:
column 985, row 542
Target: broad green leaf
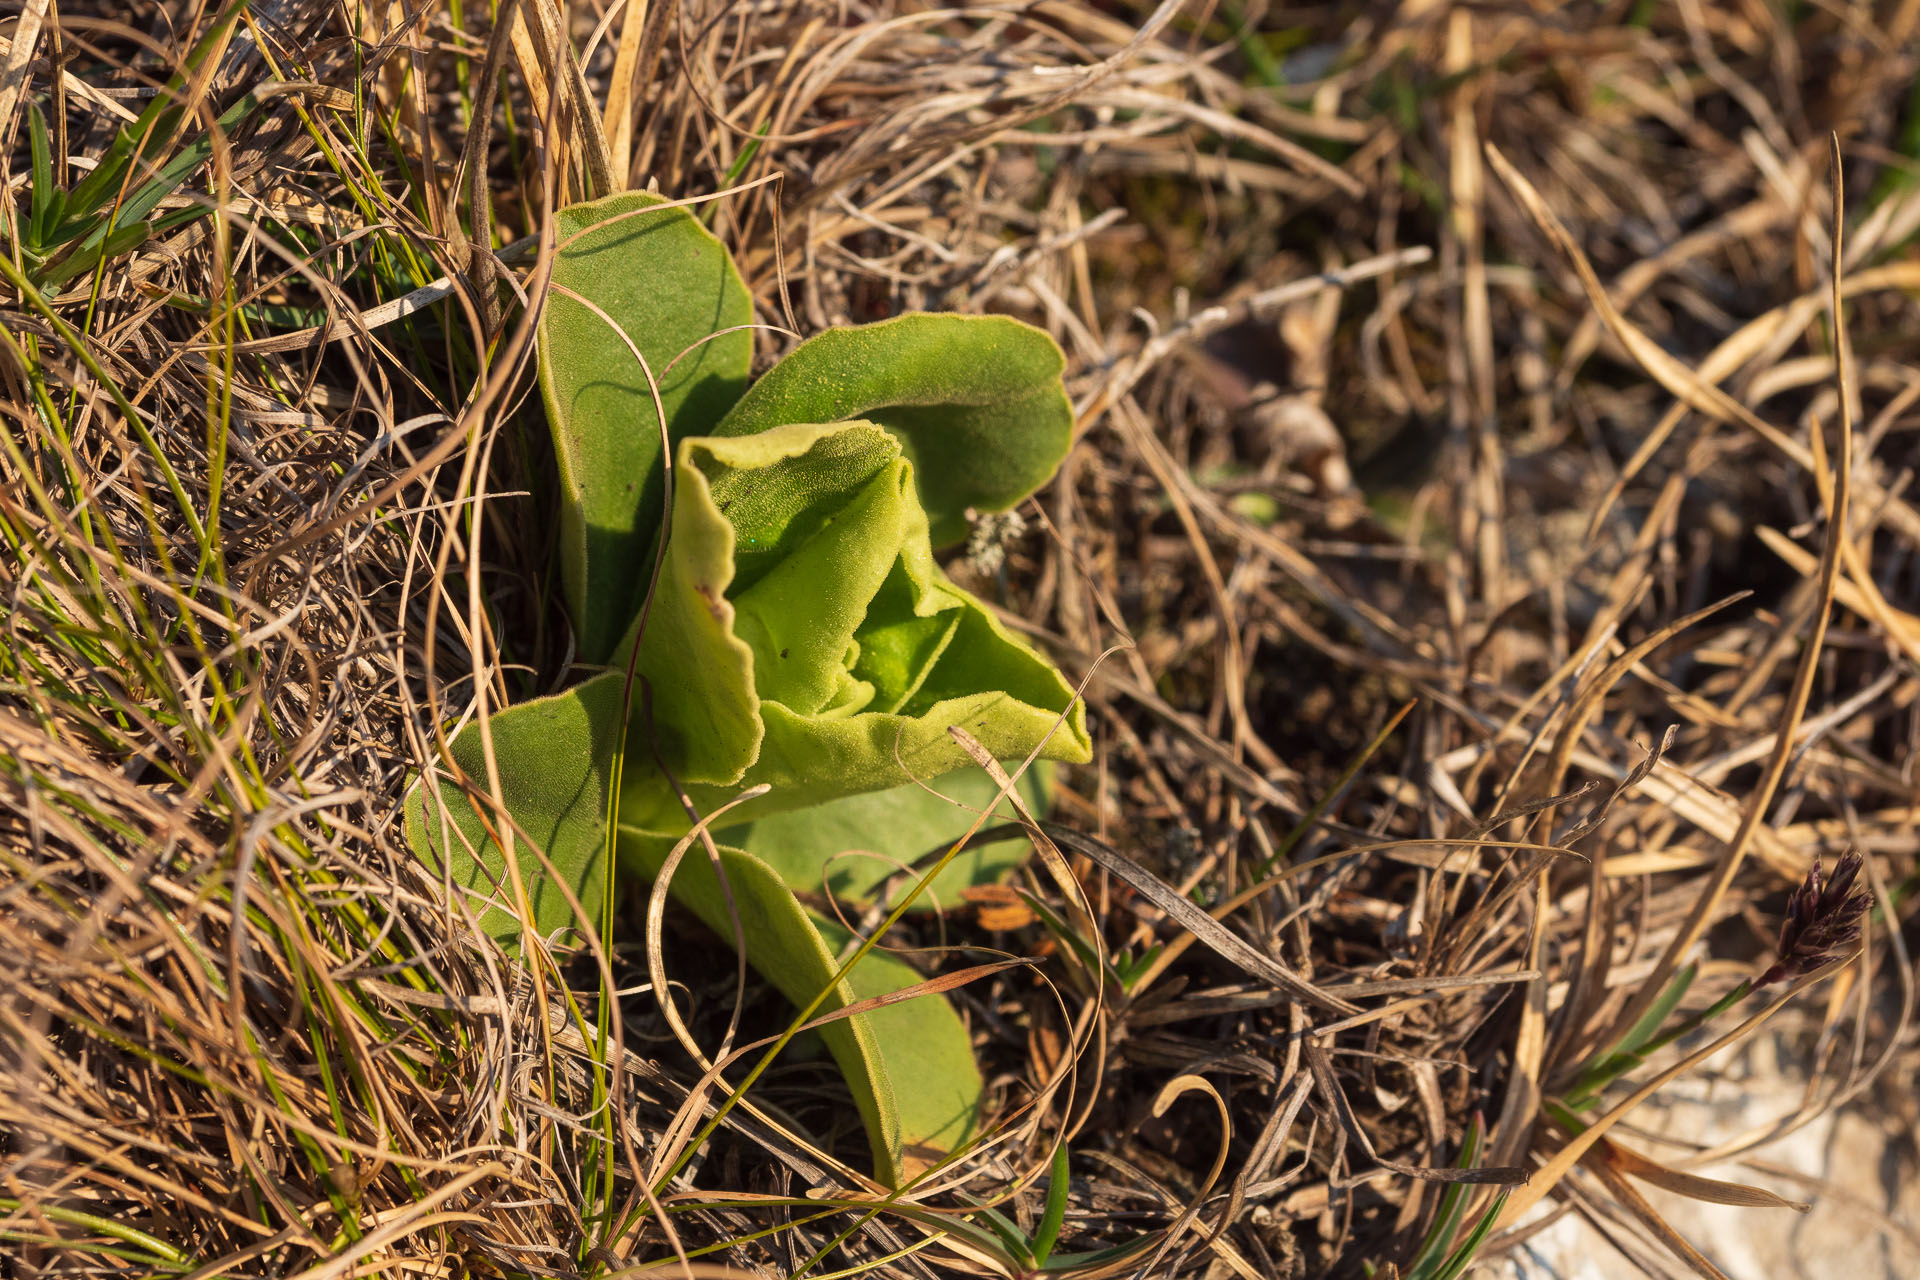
column 909, row 1065
column 671, row 287
column 976, row 401
column 774, row 653
column 920, row 1041
column 853, row 845
column 554, row 756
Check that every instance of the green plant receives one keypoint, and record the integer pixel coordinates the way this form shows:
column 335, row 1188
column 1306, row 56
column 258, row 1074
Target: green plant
column 1823, row 925
column 113, row 210
column 791, row 634
column 1434, row 1260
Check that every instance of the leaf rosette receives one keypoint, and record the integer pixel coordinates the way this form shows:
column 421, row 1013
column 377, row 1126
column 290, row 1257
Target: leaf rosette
column 799, row 636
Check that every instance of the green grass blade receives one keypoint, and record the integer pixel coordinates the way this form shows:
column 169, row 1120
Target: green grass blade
column 1011, row 1236
column 1462, row 1257
column 1657, row 1013
column 1056, row 1210
column 154, row 129
column 1452, row 1203
column 41, row 203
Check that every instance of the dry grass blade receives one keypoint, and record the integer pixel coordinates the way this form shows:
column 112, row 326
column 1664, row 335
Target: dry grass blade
column 1630, row 1199
column 1209, row 931
column 1561, row 1163
column 1321, row 1067
column 1743, row 1195
column 1708, row 901
column 21, row 47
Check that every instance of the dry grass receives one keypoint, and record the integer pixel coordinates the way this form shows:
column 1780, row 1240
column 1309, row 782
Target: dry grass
column 1463, row 417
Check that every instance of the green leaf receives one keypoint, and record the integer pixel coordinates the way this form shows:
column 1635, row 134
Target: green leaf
column 1012, row 1239
column 554, row 756
column 803, row 637
column 920, row 1041
column 1431, row 1263
column 149, row 134
column 976, row 402
column 1655, row 1017
column 1129, row 967
column 1462, row 1257
column 909, row 1065
column 670, row 286
column 1453, row 1202
column 1063, row 933
column 851, row 846
column 1056, row 1210
column 43, row 204
column 88, row 256
column 738, row 167
column 126, row 226
column 1631, row 1049
column 751, row 667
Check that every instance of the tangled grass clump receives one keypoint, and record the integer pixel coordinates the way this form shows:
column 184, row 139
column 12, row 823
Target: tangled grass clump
column 1482, row 519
